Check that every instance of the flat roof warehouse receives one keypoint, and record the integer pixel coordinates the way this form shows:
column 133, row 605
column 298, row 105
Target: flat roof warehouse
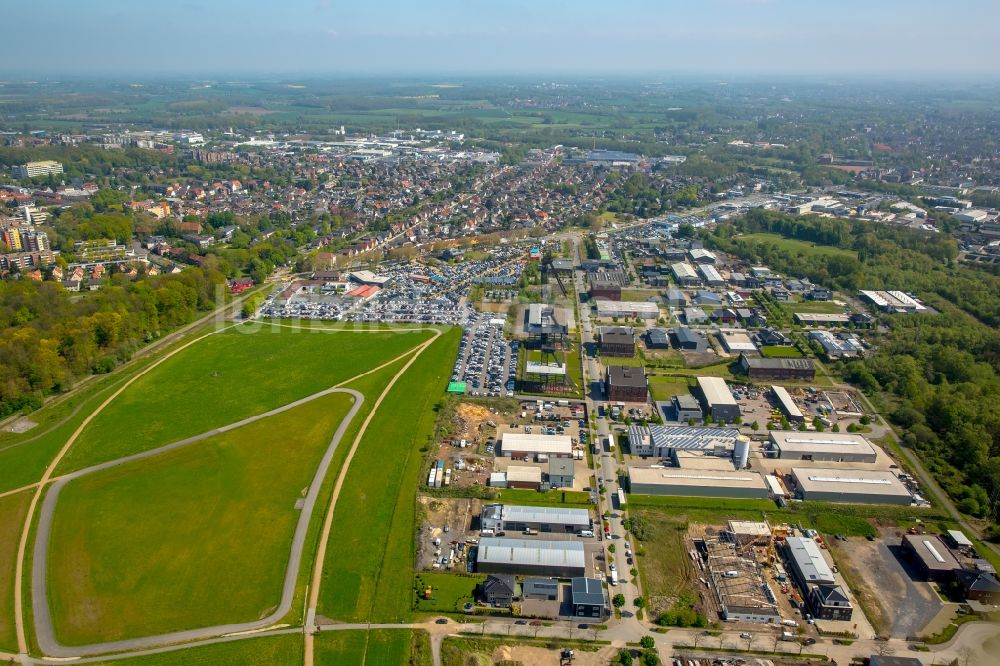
column 680, row 477
column 716, row 391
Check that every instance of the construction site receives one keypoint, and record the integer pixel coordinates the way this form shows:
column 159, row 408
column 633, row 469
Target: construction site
column 742, row 572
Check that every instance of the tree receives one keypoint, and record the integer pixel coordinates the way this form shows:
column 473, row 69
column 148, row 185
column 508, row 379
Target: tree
column 611, row 548
column 624, row 657
column 650, row 658
column 639, row 602
column 835, row 428
column 619, row 600
column 647, row 642
column 754, row 426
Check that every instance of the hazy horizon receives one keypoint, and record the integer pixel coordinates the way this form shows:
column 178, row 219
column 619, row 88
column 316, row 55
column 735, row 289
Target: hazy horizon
column 893, row 39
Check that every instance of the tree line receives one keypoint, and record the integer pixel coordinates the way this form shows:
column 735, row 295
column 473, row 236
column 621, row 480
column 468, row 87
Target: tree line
column 49, row 339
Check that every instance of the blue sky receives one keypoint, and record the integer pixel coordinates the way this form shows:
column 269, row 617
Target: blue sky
column 932, row 38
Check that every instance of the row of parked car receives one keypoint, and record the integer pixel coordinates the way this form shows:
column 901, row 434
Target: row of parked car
column 482, row 359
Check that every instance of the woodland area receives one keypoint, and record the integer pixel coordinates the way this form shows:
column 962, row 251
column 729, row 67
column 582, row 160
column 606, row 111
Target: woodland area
column 50, row 338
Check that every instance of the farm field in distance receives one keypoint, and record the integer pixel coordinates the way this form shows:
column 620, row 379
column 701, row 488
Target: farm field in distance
column 193, row 537
column 238, row 375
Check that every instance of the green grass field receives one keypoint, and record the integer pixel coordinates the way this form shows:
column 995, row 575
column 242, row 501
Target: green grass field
column 664, row 388
column 194, row 537
column 815, row 307
column 796, row 246
column 567, row 498
column 225, row 378
column 780, row 351
column 847, row 525
column 368, row 573
column 285, row 650
column 13, row 509
column 382, row 647
column 664, row 564
column 450, row 591
column 24, row 456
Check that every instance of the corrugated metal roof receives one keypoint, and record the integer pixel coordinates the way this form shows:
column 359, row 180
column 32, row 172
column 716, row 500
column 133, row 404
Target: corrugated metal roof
column 807, row 558
column 534, row 552
column 546, row 514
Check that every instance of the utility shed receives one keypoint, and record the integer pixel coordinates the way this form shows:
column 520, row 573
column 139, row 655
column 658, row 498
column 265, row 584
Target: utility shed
column 807, row 562
column 822, row 446
column 717, row 399
column 538, row 557
column 861, row 486
column 930, row 555
column 695, row 483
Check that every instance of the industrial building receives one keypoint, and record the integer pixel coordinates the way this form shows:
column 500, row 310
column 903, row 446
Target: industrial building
column 711, row 276
column 632, row 310
column 624, row 383
column 822, row 446
column 527, row 446
column 617, row 341
column 690, row 340
column 686, row 407
column 850, row 485
column 588, row 597
column 536, row 557
column 607, row 284
column 717, row 399
column 736, row 342
column 685, row 274
column 662, row 440
column 504, row 517
column 931, row 557
column 806, row 562
column 696, row 483
column 657, row 338
column 892, row 301
column 800, row 369
column 787, row 405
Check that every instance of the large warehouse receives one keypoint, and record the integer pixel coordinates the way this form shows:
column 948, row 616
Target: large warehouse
column 696, row 483
column 822, row 446
column 717, row 399
column 534, row 557
column 641, row 309
column 519, row 445
column 503, row 517
column 661, row 441
column 850, row 485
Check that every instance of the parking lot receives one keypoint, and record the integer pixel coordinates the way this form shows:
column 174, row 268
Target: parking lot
column 486, row 362
column 886, row 581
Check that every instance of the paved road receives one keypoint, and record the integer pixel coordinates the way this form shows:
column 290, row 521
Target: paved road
column 39, row 592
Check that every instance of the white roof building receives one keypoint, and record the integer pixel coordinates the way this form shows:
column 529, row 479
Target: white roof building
column 515, row 443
